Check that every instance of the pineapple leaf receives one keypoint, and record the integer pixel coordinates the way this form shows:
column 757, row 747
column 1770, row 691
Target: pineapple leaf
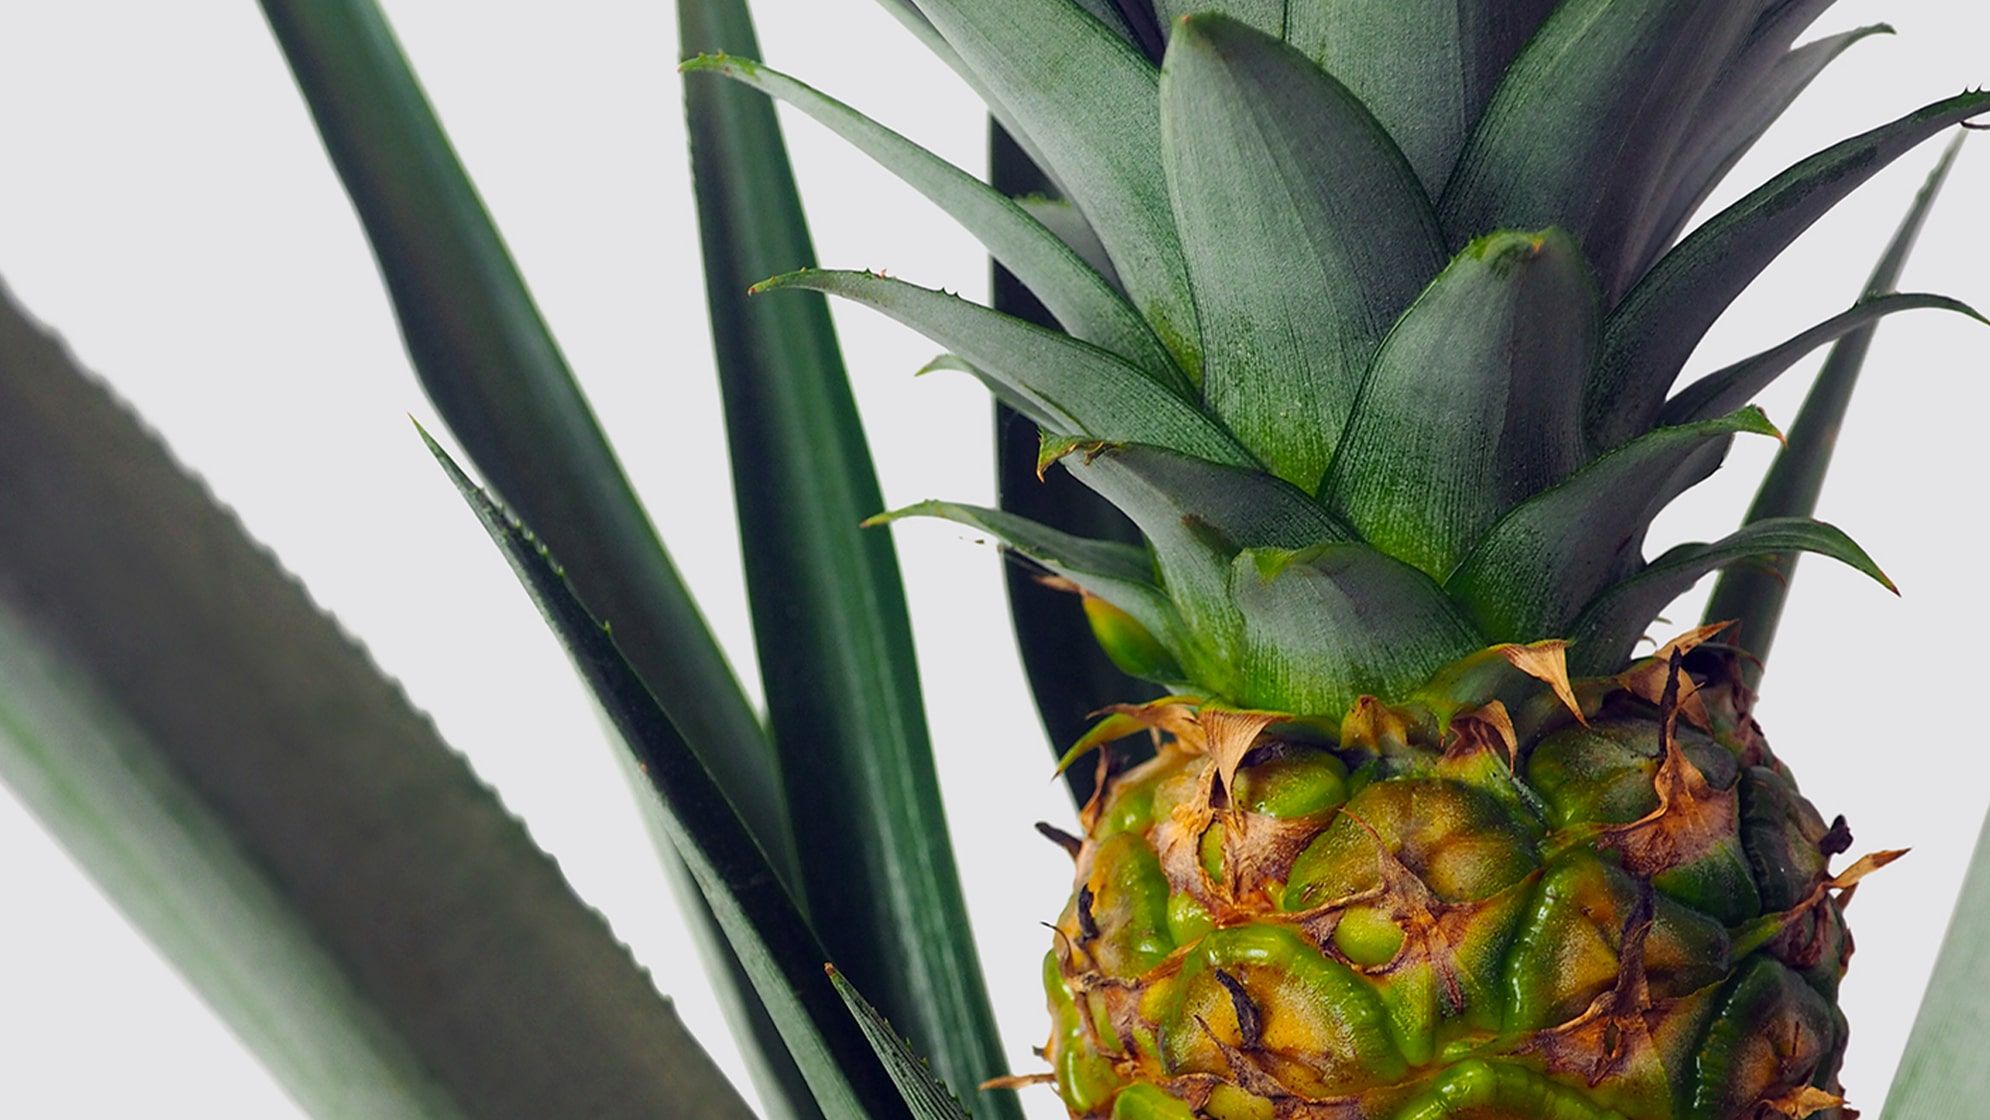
column 925, row 1094
column 1759, row 86
column 1426, row 68
column 1942, row 1075
column 1063, row 641
column 1535, row 569
column 1648, row 338
column 1120, row 574
column 1579, row 131
column 271, row 812
column 1081, row 299
column 1505, row 337
column 1295, row 290
column 1067, row 386
column 1725, row 390
column 1610, row 626
column 1197, row 516
column 1326, row 625
column 1796, row 477
column 829, row 615
column 774, row 941
column 495, row 373
column 1085, row 100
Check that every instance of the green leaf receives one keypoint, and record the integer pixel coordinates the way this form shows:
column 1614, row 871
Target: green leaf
column 1535, row 569
column 1081, row 299
column 1756, row 596
column 487, row 360
column 1265, row 16
column 1942, row 1075
column 1759, row 86
column 295, row 838
column 1647, row 340
column 1197, row 516
column 1085, row 99
column 1580, row 130
column 1121, row 574
column 1426, row 68
column 1725, row 390
column 1329, row 624
column 926, row 1095
column 1295, row 290
column 1505, row 337
column 773, row 941
column 1068, row 387
column 1070, row 674
column 1611, row 626
column 829, row 617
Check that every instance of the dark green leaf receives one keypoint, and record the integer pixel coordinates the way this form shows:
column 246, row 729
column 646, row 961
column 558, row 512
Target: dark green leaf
column 926, row 1095
column 1295, row 289
column 1611, row 626
column 1754, row 93
column 1580, row 130
column 1755, row 596
column 1725, row 390
column 1426, row 68
column 1085, row 100
column 1329, row 624
column 829, row 615
column 1942, row 1075
column 1649, row 337
column 773, row 941
column 496, row 375
column 1266, row 16
column 1065, row 222
column 1505, row 339
column 1067, row 386
column 1086, row 305
column 262, row 803
column 1536, row 568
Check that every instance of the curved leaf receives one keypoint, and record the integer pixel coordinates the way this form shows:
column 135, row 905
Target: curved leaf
column 1324, row 626
column 1651, row 334
column 1086, row 100
column 1121, row 574
column 1536, row 568
column 1426, row 68
column 774, row 942
column 829, row 616
column 1750, row 98
column 1609, row 627
column 1505, row 338
column 1580, row 130
column 1295, row 289
column 1068, row 225
column 1082, row 300
column 1755, row 597
column 1942, row 1075
column 1068, row 386
column 1725, row 390
column 200, row 736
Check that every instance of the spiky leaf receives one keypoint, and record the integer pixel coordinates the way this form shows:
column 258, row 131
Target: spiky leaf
column 1942, row 1075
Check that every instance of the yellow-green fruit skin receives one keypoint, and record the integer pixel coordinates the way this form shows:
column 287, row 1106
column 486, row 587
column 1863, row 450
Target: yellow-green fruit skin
column 1596, row 925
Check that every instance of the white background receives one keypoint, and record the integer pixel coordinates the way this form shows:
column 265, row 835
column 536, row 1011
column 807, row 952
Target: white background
column 165, row 203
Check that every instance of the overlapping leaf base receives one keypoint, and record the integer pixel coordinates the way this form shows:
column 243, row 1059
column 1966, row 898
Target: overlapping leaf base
column 1545, row 916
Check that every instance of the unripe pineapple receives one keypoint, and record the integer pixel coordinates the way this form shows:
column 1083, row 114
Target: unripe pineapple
column 1370, row 314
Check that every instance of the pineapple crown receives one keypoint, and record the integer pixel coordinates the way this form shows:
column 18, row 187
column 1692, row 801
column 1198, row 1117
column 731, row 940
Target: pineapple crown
column 1370, row 323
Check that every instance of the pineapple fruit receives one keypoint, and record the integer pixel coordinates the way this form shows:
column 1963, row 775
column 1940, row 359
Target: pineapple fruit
column 1371, row 312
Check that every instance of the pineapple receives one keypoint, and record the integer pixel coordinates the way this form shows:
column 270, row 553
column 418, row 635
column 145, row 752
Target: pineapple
column 1368, row 319
column 1369, row 316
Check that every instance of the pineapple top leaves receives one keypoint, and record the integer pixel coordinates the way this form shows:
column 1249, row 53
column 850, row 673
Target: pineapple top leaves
column 1378, row 462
